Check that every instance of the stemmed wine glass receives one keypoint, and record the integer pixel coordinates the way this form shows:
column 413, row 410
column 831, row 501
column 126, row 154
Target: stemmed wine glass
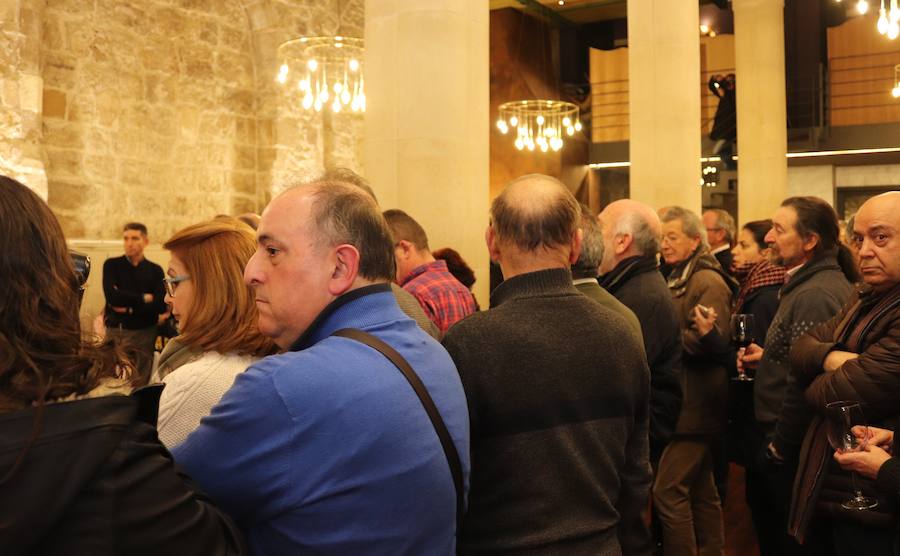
column 743, row 329
column 843, row 417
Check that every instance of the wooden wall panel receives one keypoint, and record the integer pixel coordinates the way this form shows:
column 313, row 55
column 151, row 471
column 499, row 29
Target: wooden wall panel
column 861, row 74
column 610, row 85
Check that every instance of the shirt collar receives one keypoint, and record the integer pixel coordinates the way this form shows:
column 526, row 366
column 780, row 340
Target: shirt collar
column 579, row 281
column 719, row 249
column 435, row 265
column 323, row 325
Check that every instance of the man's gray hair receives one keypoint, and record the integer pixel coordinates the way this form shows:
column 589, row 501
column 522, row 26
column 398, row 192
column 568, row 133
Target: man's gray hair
column 691, row 224
column 588, row 262
column 646, row 241
column 725, row 222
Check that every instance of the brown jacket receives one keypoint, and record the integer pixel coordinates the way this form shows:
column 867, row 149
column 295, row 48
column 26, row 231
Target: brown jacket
column 870, row 326
column 704, row 377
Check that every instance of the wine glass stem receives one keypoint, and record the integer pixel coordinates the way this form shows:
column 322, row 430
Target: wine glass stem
column 855, row 483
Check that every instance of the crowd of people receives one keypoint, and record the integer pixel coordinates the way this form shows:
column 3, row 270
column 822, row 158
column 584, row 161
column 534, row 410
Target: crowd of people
column 334, row 387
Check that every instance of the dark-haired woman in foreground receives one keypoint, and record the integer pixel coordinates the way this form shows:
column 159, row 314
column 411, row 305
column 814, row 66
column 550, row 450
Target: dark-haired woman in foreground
column 81, row 468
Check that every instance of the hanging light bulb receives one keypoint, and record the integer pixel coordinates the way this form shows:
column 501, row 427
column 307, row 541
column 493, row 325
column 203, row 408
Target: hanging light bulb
column 331, row 72
column 501, row 125
column 862, row 6
column 882, row 19
column 894, row 14
column 895, row 92
column 578, row 125
column 893, row 30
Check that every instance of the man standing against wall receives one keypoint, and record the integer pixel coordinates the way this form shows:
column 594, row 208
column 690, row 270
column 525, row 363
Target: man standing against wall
column 134, row 292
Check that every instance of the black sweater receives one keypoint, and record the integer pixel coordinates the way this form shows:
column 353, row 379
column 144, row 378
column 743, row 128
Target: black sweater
column 557, row 388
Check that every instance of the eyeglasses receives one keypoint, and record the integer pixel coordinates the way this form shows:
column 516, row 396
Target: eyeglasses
column 171, row 283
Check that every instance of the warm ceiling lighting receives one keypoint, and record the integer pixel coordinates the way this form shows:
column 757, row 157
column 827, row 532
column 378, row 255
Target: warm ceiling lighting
column 327, row 71
column 704, row 28
column 562, row 2
column 888, row 21
column 539, row 124
column 862, row 6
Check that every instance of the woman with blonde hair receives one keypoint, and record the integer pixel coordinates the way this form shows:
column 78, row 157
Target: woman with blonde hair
column 216, row 313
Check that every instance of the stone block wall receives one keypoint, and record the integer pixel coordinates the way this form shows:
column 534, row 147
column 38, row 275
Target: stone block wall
column 163, row 111
column 20, row 94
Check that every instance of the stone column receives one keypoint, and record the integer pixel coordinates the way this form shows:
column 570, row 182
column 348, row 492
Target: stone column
column 761, row 111
column 664, row 102
column 427, row 123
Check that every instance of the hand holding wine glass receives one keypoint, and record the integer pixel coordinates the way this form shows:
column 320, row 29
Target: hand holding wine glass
column 847, row 432
column 743, row 333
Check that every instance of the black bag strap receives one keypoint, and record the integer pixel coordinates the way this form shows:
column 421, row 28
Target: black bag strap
column 436, row 420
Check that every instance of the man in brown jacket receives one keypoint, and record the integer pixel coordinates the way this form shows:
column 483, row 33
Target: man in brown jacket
column 684, row 493
column 855, row 356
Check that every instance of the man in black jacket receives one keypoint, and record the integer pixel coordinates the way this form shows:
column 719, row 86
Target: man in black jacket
column 628, row 270
column 557, row 387
column 135, row 298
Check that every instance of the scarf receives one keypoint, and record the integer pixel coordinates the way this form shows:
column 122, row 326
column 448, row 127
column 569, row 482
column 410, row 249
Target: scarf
column 700, row 259
column 755, row 276
column 174, row 355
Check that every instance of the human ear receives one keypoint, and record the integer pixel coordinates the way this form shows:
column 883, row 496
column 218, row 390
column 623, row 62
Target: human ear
column 346, row 268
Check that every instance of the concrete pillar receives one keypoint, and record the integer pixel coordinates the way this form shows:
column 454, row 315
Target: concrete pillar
column 761, row 111
column 664, row 102
column 427, row 122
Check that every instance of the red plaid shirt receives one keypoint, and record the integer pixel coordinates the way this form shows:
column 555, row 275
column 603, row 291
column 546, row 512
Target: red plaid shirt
column 444, row 299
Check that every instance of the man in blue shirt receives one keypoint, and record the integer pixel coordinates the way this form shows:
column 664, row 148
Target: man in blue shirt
column 325, row 448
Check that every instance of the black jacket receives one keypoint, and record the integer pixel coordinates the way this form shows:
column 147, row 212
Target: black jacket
column 637, row 283
column 97, row 481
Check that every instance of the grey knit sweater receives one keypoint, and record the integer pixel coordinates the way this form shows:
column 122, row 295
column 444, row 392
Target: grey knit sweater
column 813, row 295
column 558, row 389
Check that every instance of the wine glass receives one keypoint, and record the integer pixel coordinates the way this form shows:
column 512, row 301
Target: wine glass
column 743, row 329
column 842, row 417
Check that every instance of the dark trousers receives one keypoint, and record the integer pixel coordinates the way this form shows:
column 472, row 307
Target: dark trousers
column 139, row 346
column 768, row 490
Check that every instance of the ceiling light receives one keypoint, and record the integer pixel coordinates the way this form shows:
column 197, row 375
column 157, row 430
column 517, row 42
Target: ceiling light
column 862, row 6
column 323, row 69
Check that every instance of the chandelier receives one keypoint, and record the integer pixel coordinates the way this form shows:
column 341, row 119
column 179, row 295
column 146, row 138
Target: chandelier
column 539, row 124
column 889, row 21
column 327, row 72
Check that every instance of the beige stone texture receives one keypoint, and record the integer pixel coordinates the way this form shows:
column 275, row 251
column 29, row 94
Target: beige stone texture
column 664, row 57
column 164, row 111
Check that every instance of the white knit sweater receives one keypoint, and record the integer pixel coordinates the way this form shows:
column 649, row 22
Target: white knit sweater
column 193, row 389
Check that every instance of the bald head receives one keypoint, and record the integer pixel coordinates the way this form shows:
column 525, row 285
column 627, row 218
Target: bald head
column 876, row 232
column 630, row 229
column 535, row 212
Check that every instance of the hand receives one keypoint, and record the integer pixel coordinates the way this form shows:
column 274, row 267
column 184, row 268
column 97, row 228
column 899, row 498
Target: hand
column 704, row 319
column 836, row 358
column 866, row 462
column 750, row 358
column 120, row 310
column 148, row 298
column 882, row 438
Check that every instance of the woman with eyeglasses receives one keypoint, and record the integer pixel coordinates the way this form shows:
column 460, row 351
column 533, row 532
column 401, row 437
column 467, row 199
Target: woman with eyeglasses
column 81, row 468
column 217, row 322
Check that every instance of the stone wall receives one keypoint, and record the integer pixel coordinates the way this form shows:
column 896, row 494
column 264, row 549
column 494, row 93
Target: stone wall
column 164, row 111
column 20, row 94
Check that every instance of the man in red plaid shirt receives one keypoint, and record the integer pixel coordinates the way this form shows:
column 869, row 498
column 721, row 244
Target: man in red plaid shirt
column 443, row 298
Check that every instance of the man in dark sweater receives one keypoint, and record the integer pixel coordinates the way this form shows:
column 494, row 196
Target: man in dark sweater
column 804, row 240
column 135, row 302
column 631, row 232
column 557, row 387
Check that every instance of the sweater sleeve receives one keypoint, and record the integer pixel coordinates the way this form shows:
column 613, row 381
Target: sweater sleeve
column 808, row 309
column 711, row 292
column 888, row 478
column 161, row 510
column 809, row 351
column 872, row 378
column 241, row 453
column 634, row 537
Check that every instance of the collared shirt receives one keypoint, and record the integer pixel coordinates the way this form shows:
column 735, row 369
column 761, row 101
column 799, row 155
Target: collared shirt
column 443, row 298
column 719, row 249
